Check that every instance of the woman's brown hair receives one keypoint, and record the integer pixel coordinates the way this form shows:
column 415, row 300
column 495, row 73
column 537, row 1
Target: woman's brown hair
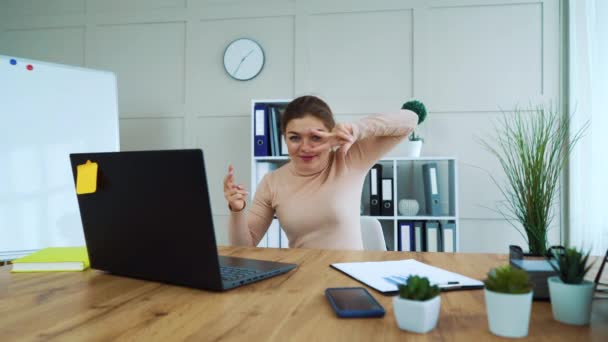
column 308, row 105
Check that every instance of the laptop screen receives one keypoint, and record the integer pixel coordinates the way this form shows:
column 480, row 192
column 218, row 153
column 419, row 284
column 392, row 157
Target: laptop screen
column 150, row 216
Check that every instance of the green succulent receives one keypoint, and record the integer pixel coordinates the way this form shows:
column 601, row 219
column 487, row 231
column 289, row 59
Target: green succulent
column 420, row 110
column 508, row 279
column 571, row 265
column 418, row 288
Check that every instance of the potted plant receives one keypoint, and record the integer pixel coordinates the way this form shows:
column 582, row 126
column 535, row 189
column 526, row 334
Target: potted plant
column 508, row 294
column 414, row 144
column 417, row 305
column 533, row 146
column 570, row 293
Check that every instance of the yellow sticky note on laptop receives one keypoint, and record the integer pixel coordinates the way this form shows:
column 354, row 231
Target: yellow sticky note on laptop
column 86, row 178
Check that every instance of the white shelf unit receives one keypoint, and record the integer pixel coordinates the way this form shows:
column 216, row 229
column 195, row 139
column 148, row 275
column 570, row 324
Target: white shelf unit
column 407, row 184
column 275, row 237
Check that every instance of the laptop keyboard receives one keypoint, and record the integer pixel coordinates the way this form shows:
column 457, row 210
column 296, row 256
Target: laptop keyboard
column 235, row 273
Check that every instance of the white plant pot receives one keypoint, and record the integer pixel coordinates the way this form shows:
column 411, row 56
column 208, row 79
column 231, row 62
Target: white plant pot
column 508, row 314
column 412, row 148
column 571, row 303
column 417, row 316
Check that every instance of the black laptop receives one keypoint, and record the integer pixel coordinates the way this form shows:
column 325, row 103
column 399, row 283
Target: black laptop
column 150, row 218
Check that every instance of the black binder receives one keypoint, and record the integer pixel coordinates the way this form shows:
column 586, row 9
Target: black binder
column 375, row 182
column 387, row 197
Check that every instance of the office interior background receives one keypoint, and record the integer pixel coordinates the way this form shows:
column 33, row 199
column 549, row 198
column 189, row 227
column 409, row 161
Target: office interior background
column 467, row 60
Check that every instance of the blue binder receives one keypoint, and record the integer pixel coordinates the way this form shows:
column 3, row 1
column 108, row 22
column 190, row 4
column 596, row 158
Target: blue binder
column 433, row 237
column 261, row 130
column 406, row 241
column 448, row 237
column 432, row 197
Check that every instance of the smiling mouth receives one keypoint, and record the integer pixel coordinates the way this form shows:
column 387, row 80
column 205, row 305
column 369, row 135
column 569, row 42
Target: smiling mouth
column 307, row 158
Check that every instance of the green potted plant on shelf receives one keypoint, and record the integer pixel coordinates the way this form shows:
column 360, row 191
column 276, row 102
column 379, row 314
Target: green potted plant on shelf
column 570, row 293
column 508, row 295
column 417, row 305
column 533, row 145
column 414, row 143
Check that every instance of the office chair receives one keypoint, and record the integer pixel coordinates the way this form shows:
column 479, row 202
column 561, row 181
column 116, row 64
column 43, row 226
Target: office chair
column 372, row 235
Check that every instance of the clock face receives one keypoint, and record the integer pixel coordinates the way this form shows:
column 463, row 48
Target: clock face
column 243, row 59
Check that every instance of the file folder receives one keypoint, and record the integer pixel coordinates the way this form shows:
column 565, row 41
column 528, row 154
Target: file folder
column 271, row 132
column 419, row 236
column 448, row 237
column 432, row 196
column 432, row 236
column 279, row 110
column 406, row 235
column 387, row 197
column 260, row 139
column 375, row 181
column 275, row 131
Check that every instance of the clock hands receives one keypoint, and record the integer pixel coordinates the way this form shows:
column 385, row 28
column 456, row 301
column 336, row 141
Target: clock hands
column 242, row 60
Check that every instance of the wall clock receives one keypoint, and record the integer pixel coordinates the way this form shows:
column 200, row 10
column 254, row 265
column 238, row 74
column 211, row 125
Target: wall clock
column 243, row 59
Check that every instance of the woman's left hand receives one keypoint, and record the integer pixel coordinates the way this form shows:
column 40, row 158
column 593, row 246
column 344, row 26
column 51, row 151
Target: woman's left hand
column 341, row 136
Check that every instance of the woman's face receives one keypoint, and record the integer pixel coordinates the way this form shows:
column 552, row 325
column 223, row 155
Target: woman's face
column 301, row 141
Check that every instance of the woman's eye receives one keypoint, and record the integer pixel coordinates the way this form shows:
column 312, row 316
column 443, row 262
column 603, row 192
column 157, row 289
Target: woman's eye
column 294, row 138
column 316, row 138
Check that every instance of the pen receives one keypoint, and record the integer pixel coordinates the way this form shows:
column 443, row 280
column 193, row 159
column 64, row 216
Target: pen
column 400, row 279
column 392, row 281
column 450, row 284
column 455, row 285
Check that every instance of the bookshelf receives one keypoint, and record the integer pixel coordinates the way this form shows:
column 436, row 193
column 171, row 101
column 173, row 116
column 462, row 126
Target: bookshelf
column 408, row 183
column 260, row 165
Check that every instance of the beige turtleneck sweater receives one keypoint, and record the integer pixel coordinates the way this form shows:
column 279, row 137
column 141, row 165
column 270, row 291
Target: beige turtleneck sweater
column 321, row 210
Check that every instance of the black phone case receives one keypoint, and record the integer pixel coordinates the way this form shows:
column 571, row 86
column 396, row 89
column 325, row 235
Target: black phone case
column 366, row 313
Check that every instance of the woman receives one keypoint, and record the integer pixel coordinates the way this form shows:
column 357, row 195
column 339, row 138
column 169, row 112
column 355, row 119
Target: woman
column 316, row 196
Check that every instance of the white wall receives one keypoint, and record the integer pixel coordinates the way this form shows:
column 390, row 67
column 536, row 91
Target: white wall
column 464, row 59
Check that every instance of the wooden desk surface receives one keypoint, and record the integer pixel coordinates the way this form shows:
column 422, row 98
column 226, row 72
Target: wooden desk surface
column 91, row 305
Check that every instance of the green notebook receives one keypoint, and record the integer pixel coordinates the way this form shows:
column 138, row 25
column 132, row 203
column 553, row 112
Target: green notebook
column 53, row 259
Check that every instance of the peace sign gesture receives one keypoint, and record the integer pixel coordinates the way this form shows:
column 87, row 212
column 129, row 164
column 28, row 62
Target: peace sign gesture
column 341, row 137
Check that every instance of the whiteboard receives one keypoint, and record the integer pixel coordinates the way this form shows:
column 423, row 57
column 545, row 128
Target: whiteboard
column 48, row 111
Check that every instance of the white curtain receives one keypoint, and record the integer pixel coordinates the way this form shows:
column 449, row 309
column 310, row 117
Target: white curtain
column 588, row 89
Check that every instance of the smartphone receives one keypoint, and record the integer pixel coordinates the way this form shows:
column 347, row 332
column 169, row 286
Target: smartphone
column 353, row 302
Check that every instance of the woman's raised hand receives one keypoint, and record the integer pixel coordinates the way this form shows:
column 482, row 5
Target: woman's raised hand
column 341, row 136
column 235, row 194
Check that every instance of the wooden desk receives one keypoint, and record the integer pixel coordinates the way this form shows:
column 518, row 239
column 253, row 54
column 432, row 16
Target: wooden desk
column 92, row 305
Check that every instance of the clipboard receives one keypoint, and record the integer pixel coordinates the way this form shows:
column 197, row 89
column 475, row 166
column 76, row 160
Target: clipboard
column 385, row 276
